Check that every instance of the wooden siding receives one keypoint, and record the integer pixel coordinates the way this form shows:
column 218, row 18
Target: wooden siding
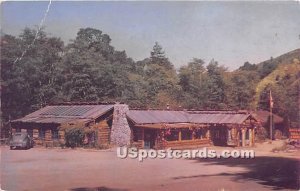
column 103, row 133
column 184, row 144
column 140, row 136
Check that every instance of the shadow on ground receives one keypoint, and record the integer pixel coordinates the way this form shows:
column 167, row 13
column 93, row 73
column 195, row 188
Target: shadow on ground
column 275, row 172
column 102, row 188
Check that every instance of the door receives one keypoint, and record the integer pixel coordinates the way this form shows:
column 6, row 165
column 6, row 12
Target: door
column 149, row 138
column 219, row 136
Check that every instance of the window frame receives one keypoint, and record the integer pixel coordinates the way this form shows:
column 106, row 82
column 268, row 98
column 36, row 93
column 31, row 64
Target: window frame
column 56, row 133
column 186, row 134
column 173, row 134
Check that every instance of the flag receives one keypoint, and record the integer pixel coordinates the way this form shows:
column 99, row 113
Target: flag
column 271, row 100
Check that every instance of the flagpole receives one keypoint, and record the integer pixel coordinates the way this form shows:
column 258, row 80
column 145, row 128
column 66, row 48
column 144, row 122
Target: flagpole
column 271, row 126
column 271, row 116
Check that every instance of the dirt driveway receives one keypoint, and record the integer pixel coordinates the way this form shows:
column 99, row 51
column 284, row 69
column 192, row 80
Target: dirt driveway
column 85, row 170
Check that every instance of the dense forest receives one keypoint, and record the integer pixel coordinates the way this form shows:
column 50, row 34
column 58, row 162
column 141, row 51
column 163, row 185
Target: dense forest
column 90, row 69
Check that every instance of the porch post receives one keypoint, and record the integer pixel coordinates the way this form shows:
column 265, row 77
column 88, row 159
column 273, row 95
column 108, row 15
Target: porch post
column 250, row 137
column 208, row 133
column 243, row 137
column 238, row 138
column 179, row 136
column 193, row 135
column 234, row 134
column 143, row 137
column 253, row 137
column 229, row 135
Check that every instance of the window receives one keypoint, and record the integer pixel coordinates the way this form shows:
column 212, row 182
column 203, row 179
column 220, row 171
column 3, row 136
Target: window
column 186, row 134
column 42, row 133
column 200, row 133
column 54, row 133
column 172, row 135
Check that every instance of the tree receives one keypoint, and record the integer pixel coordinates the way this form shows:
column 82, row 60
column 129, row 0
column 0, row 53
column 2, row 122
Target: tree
column 192, row 79
column 93, row 70
column 240, row 89
column 29, row 82
column 159, row 77
column 266, row 68
column 216, row 86
column 158, row 57
column 248, row 67
column 90, row 69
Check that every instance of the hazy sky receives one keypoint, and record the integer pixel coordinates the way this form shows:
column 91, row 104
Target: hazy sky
column 229, row 32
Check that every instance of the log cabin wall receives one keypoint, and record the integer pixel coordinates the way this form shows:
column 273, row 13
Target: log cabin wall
column 42, row 134
column 187, row 144
column 61, row 136
column 103, row 125
column 137, row 136
column 47, row 125
column 100, row 131
column 139, row 142
column 103, row 133
column 237, row 135
column 47, row 135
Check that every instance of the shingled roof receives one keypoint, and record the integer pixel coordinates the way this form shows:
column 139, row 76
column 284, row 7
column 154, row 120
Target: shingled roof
column 157, row 116
column 219, row 118
column 200, row 117
column 263, row 116
column 59, row 114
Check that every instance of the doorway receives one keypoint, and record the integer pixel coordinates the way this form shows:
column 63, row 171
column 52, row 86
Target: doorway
column 219, row 136
column 149, row 138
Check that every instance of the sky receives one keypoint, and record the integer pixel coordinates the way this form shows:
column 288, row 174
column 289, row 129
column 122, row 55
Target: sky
column 228, row 32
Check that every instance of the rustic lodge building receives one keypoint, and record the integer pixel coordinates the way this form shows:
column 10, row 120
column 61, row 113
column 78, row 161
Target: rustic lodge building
column 116, row 124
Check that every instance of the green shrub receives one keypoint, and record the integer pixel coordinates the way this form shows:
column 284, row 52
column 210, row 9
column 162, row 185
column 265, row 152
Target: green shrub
column 74, row 137
column 261, row 134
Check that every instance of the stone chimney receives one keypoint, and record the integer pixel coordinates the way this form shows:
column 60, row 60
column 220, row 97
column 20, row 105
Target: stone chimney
column 120, row 130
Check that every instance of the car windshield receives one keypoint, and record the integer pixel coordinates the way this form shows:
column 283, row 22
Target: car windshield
column 19, row 137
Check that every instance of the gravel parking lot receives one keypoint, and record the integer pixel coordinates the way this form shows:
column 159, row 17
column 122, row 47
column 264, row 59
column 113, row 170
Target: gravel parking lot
column 84, row 170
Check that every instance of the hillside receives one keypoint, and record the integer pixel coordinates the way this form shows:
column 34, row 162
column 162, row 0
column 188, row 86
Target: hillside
column 283, row 69
column 282, row 59
column 283, row 77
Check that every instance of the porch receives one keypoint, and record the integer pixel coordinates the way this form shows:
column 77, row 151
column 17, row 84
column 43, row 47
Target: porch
column 176, row 136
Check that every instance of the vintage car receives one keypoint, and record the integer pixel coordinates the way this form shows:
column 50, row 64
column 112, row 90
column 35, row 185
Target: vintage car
column 21, row 140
